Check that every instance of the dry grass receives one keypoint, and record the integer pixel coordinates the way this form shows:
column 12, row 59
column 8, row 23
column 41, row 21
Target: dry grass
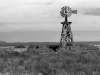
column 33, row 62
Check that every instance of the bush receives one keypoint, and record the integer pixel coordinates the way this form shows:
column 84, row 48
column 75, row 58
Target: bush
column 20, row 46
column 65, row 62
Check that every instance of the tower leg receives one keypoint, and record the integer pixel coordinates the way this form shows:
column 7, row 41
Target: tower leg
column 66, row 35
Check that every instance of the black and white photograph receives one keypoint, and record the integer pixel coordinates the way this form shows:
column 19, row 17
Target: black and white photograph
column 49, row 37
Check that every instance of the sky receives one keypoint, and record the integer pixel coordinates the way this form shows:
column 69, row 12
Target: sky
column 40, row 20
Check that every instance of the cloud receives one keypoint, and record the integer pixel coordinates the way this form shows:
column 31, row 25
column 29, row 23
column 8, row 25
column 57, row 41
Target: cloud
column 36, row 2
column 40, row 3
column 94, row 12
column 24, row 15
column 49, row 3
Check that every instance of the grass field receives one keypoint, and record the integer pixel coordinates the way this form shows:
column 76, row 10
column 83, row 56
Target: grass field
column 83, row 60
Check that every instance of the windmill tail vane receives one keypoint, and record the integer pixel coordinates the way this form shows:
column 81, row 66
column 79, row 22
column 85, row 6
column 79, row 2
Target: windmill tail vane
column 74, row 11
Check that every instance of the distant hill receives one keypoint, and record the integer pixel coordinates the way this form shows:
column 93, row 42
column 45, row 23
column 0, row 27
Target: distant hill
column 28, row 43
column 90, row 42
column 3, row 43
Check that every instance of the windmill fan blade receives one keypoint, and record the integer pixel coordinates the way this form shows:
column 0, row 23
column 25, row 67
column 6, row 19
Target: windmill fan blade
column 74, row 11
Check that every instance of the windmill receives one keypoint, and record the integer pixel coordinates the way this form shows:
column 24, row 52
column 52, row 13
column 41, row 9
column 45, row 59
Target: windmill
column 66, row 34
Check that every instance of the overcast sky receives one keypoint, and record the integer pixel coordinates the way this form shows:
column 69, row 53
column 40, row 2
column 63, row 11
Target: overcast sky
column 44, row 15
